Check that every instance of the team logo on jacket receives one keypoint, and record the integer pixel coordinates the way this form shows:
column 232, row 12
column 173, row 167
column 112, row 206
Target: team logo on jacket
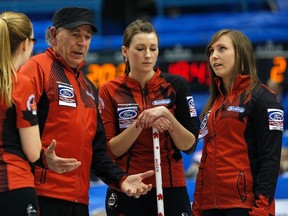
column 192, row 107
column 127, row 115
column 275, row 118
column 204, row 126
column 31, row 104
column 236, row 109
column 161, row 102
column 66, row 95
column 90, row 94
column 101, row 104
column 112, row 201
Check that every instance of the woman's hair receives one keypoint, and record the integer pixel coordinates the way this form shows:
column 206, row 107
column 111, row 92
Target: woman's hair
column 245, row 63
column 14, row 28
column 135, row 27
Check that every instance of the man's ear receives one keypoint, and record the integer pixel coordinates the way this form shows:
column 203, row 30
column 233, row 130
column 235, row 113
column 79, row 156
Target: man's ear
column 53, row 33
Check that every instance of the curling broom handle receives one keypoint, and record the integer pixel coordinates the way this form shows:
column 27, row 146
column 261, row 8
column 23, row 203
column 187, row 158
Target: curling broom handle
column 158, row 172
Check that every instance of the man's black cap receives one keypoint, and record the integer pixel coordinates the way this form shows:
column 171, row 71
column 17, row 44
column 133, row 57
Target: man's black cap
column 72, row 17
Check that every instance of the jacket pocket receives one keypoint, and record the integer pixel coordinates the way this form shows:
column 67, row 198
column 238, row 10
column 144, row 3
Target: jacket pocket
column 241, row 186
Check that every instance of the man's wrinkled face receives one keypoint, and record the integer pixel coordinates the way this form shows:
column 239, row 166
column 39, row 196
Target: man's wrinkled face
column 73, row 44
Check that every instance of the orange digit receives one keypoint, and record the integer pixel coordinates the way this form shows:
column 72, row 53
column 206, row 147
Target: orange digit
column 98, row 74
column 108, row 72
column 278, row 70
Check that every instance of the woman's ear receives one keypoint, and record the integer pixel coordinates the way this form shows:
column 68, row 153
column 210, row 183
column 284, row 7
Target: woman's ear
column 24, row 44
column 124, row 51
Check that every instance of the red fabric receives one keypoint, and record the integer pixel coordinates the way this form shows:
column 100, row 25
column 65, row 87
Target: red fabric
column 241, row 154
column 124, row 93
column 262, row 207
column 71, row 121
column 14, row 166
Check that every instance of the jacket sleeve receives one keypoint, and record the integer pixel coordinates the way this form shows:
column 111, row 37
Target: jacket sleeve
column 268, row 123
column 102, row 165
column 109, row 116
column 185, row 111
column 24, row 100
column 34, row 70
column 197, row 205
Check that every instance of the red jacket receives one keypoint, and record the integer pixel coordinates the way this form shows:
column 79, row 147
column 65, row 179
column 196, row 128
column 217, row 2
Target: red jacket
column 15, row 171
column 123, row 99
column 67, row 112
column 241, row 154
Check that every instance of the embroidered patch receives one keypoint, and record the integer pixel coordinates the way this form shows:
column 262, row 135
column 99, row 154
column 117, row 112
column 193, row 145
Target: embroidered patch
column 192, row 107
column 31, row 104
column 161, row 102
column 66, row 95
column 127, row 115
column 236, row 109
column 276, row 119
column 90, row 94
column 101, row 104
column 112, row 201
column 204, row 126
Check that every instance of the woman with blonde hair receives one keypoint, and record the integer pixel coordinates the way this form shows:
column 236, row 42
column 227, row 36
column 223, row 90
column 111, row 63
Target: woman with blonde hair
column 20, row 144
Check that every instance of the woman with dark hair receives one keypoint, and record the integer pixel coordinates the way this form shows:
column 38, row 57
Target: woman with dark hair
column 130, row 106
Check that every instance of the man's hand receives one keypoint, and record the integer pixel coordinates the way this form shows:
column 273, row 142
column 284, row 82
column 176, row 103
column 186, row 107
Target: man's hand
column 133, row 185
column 58, row 164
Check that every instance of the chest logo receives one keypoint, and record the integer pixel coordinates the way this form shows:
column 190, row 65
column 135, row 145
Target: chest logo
column 66, row 95
column 236, row 109
column 161, row 102
column 127, row 115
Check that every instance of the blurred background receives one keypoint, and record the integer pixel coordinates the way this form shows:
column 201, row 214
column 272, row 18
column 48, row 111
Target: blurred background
column 184, row 28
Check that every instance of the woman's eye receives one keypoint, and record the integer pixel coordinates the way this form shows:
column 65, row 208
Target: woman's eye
column 222, row 48
column 211, row 51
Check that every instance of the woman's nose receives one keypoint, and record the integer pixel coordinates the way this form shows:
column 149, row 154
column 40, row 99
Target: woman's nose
column 214, row 55
column 148, row 54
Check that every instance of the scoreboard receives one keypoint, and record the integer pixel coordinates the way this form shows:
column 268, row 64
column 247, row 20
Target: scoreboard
column 190, row 63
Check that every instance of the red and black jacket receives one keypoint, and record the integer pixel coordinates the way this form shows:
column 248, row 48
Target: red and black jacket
column 241, row 155
column 68, row 112
column 15, row 170
column 122, row 100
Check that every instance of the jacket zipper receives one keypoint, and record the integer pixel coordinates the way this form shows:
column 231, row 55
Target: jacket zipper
column 214, row 150
column 144, row 92
column 78, row 188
